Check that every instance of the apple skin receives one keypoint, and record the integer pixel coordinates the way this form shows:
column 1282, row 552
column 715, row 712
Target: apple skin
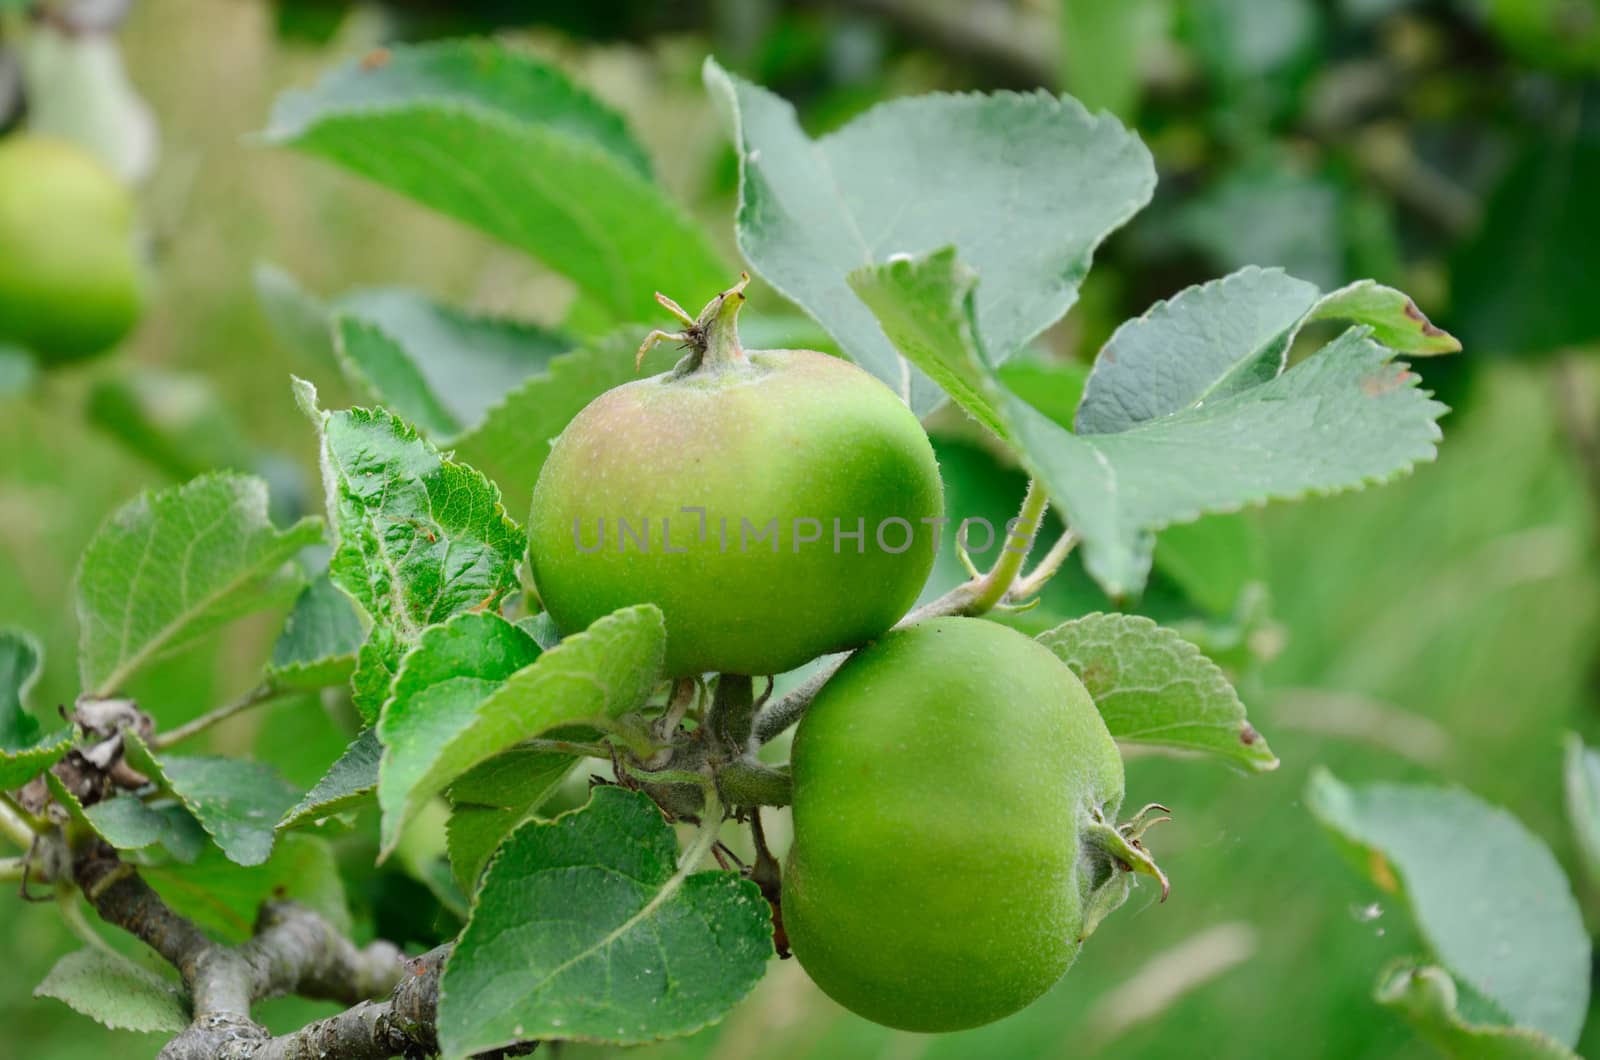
column 70, row 284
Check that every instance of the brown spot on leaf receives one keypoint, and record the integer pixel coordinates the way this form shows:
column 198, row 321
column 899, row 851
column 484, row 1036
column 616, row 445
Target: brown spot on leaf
column 376, row 59
column 1429, row 328
column 1095, row 675
column 1248, row 734
column 1383, row 381
column 1382, row 872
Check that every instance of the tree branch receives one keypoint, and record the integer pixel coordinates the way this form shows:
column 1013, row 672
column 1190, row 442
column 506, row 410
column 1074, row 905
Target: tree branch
column 262, row 693
column 293, row 951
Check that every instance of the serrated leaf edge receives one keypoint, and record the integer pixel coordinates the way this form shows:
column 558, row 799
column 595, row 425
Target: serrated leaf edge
column 673, row 884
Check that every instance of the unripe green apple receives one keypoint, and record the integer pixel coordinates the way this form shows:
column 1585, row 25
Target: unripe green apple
column 69, row 274
column 776, row 505
column 954, row 786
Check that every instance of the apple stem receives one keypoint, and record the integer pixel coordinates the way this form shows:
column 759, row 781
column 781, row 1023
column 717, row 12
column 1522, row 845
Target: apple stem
column 1126, row 850
column 715, row 335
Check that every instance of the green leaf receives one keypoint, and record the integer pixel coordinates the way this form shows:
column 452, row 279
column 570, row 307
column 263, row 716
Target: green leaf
column 442, row 681
column 1055, row 388
column 1521, row 284
column 25, row 751
column 1213, row 560
column 127, row 822
column 933, row 330
column 1393, row 317
column 1558, row 35
column 1272, row 211
column 1427, row 997
column 491, row 799
column 479, row 685
column 439, row 367
column 377, row 661
column 1344, row 417
column 612, row 939
column 1154, row 687
column 115, row 991
column 1239, row 40
column 237, row 802
column 1347, row 417
column 379, row 362
column 1227, row 337
column 223, row 898
column 349, row 783
column 174, row 420
column 320, row 638
column 172, row 566
column 512, row 442
column 420, row 537
column 1102, row 49
column 1582, row 777
column 21, row 661
column 1489, row 898
column 297, row 317
column 1024, row 186
column 496, row 139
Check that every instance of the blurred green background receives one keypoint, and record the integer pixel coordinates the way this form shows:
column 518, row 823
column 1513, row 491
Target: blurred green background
column 1444, row 626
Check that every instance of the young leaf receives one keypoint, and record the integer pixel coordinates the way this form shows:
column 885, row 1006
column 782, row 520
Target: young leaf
column 1024, row 186
column 439, row 367
column 127, row 822
column 350, row 782
column 320, row 638
column 1486, row 893
column 452, row 669
column 934, row 331
column 113, row 990
column 493, row 798
column 609, row 934
column 1154, row 687
column 1582, row 776
column 479, row 685
column 224, row 898
column 1393, row 317
column 172, row 566
column 569, row 185
column 512, row 441
column 1228, row 336
column 25, row 751
column 1427, row 997
column 236, row 801
column 420, row 537
column 1347, row 416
